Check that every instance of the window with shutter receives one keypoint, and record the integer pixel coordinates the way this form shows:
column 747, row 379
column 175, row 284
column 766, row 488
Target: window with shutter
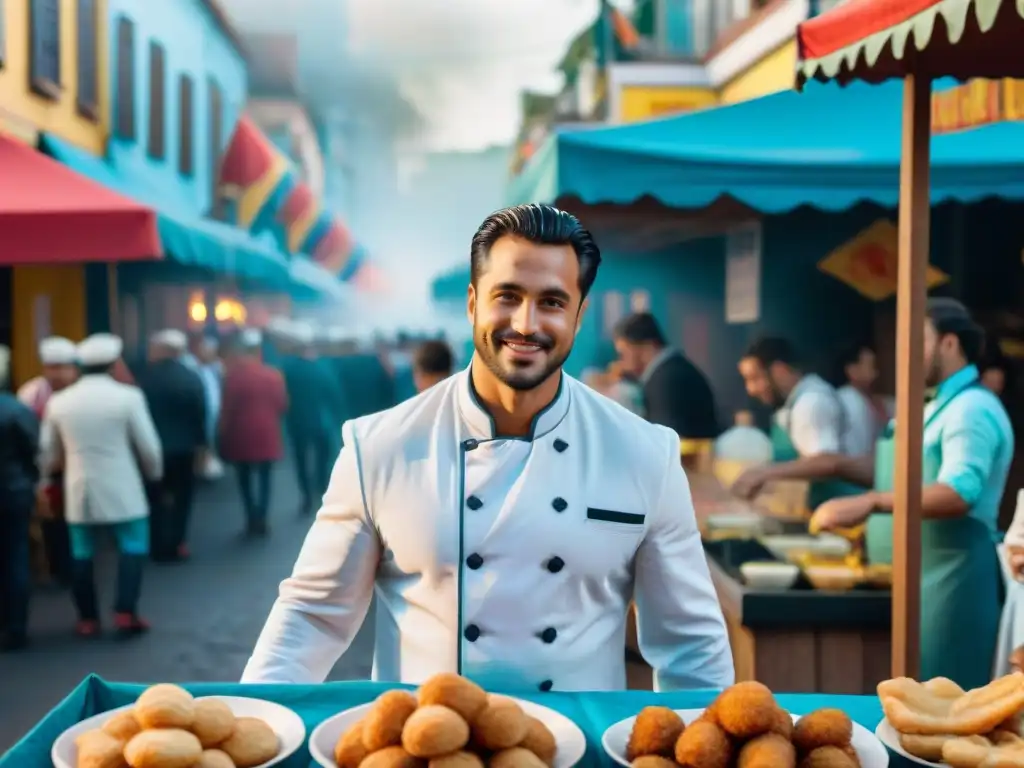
column 186, row 127
column 88, row 69
column 156, row 146
column 216, row 142
column 44, row 48
column 125, row 79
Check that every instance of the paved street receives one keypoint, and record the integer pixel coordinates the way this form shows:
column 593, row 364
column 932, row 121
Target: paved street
column 206, row 614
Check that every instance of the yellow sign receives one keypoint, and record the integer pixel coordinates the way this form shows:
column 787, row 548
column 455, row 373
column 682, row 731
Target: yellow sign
column 977, row 103
column 644, row 102
column 868, row 262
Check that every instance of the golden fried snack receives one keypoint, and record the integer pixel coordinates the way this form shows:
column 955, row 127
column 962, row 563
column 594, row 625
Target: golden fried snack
column 391, row 757
column 655, row 732
column 163, row 748
column 540, row 740
column 500, row 725
column 214, row 722
column 456, row 760
column 433, row 731
column 455, row 692
column 934, row 708
column 653, row 761
column 767, row 751
column 704, row 745
column 98, row 749
column 822, row 728
column 782, row 723
column 1006, row 751
column 746, row 710
column 251, row 743
column 349, row 752
column 122, row 726
column 829, row 757
column 165, row 706
column 516, row 757
column 926, row 747
column 214, row 758
column 383, row 724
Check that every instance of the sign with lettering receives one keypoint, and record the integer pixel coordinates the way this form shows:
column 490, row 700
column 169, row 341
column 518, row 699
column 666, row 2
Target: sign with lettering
column 977, row 103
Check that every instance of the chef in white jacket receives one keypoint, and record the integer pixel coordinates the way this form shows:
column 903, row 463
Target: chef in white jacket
column 506, row 516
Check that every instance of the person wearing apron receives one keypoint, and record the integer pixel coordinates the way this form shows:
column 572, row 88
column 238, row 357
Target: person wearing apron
column 966, row 453
column 808, row 429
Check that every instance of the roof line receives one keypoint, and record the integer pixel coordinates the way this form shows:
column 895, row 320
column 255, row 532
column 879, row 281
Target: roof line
column 220, row 18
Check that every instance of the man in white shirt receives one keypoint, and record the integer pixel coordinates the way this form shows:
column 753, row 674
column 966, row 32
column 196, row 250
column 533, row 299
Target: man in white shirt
column 864, row 413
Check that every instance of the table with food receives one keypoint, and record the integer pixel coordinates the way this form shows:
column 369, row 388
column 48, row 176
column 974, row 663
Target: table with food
column 451, row 722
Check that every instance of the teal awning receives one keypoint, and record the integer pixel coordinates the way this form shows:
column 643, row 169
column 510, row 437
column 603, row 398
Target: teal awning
column 310, row 281
column 187, row 237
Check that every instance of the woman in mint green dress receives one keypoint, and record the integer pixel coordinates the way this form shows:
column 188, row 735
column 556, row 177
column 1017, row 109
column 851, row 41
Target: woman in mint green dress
column 967, row 449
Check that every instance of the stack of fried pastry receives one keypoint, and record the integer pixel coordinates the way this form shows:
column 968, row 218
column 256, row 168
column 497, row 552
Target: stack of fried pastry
column 940, row 722
column 450, row 722
column 743, row 728
column 167, row 728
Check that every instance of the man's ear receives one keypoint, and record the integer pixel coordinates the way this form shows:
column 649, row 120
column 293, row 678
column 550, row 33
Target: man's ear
column 471, row 303
column 579, row 315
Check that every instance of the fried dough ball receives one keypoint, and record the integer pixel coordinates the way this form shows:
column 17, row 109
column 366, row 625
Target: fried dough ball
column 349, row 752
column 746, row 710
column 214, row 758
column 653, row 761
column 703, row 745
column 456, row 760
column 165, row 706
column 123, row 726
column 383, row 724
column 516, row 757
column 455, row 692
column 655, row 731
column 767, row 751
column 252, row 743
column 822, row 728
column 501, row 725
column 782, row 723
column 540, row 740
column 163, row 748
column 433, row 731
column 214, row 722
column 98, row 749
column 829, row 757
column 391, row 757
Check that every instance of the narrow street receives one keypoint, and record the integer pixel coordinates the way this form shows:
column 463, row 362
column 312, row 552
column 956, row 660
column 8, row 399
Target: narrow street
column 206, row 614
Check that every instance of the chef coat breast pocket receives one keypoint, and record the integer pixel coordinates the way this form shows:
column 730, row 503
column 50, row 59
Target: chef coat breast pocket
column 625, row 523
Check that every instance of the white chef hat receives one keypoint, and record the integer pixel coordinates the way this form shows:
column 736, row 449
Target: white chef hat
column 56, row 350
column 251, row 338
column 100, row 349
column 171, row 338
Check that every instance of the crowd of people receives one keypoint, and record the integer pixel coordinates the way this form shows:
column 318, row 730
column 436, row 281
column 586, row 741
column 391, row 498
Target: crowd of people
column 89, row 450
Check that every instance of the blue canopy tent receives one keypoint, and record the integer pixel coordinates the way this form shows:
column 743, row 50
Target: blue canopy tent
column 830, row 148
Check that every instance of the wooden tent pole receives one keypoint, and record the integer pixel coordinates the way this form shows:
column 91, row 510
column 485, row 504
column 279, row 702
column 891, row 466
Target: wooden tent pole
column 914, row 216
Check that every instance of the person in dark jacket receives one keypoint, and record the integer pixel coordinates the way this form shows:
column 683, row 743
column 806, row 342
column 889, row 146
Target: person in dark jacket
column 676, row 392
column 314, row 417
column 19, row 447
column 177, row 401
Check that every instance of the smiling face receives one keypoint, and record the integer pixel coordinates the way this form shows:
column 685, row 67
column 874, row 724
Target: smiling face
column 525, row 308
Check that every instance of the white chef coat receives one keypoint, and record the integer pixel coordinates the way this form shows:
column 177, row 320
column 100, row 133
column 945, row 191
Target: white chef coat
column 862, row 422
column 545, row 538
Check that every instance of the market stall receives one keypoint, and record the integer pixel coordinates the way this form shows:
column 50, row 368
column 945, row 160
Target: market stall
column 918, row 41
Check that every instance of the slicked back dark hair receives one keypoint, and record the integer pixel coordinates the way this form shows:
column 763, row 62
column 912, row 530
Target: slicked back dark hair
column 542, row 224
column 772, row 349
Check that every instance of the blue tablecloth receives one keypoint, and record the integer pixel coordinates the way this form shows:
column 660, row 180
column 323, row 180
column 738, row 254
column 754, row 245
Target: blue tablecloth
column 593, row 712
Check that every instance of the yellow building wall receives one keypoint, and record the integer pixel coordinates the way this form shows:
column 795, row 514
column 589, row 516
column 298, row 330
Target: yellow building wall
column 645, row 102
column 49, row 299
column 773, row 73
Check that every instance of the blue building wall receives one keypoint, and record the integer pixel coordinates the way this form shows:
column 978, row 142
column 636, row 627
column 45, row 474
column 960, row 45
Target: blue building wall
column 193, row 44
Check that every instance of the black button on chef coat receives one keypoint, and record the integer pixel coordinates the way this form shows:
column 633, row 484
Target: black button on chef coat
column 474, row 561
column 549, row 635
column 472, row 632
column 546, row 685
column 474, row 503
column 555, row 564
column 560, row 445
column 560, row 504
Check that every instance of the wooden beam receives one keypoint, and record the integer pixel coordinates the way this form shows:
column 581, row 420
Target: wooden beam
column 911, row 296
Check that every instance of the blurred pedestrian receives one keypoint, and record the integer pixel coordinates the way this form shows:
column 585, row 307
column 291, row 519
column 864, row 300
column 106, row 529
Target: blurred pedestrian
column 432, row 362
column 100, row 431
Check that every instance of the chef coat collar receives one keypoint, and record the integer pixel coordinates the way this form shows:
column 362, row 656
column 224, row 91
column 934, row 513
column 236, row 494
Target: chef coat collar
column 481, row 423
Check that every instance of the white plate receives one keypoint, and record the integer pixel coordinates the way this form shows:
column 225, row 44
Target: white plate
column 288, row 726
column 888, row 736
column 869, row 749
column 572, row 744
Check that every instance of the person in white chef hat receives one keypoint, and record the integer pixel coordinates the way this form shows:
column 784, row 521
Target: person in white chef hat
column 59, row 359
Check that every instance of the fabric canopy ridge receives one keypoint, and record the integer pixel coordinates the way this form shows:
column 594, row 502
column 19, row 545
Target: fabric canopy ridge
column 829, row 148
column 875, row 40
column 250, row 171
column 51, row 214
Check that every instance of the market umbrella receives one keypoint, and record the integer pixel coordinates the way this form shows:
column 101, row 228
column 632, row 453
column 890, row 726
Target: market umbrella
column 918, row 41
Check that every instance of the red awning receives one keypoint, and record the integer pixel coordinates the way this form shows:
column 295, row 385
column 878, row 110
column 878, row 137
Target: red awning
column 875, row 40
column 50, row 214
